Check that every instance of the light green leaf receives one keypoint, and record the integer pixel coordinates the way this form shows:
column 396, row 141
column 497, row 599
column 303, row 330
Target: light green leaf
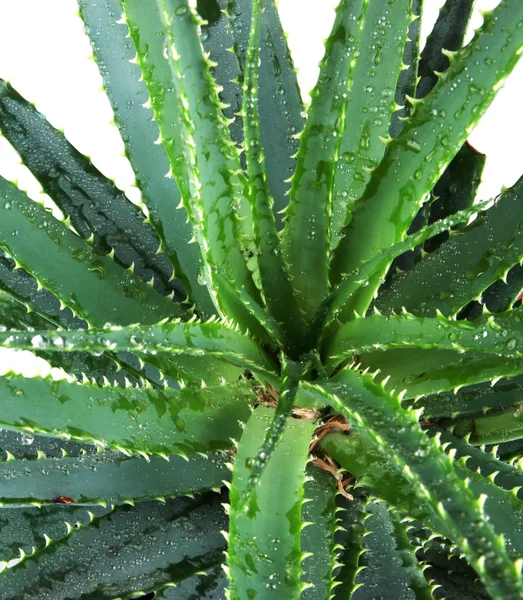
column 416, row 158
column 264, row 554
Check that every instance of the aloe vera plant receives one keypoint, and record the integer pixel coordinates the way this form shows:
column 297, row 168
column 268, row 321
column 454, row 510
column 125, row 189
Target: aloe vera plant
column 307, row 337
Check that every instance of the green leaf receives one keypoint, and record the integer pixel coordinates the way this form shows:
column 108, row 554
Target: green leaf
column 455, row 190
column 276, row 284
column 244, row 309
column 317, row 537
column 378, row 474
column 214, row 339
column 370, row 104
column 93, row 203
column 306, row 236
column 465, row 265
column 503, row 474
column 16, row 312
column 128, row 94
column 130, row 420
column 503, row 426
column 408, row 78
column 383, row 476
column 213, row 191
column 264, row 553
column 476, row 398
column 24, row 288
column 502, row 294
column 386, row 542
column 107, row 478
column 129, row 549
column 503, row 507
column 349, row 538
column 25, row 528
column 90, row 283
column 429, row 472
column 414, row 571
column 448, row 33
column 209, row 585
column 434, row 371
column 500, row 335
column 455, row 586
column 280, row 106
column 415, row 159
column 274, row 434
column 336, row 303
column 217, row 34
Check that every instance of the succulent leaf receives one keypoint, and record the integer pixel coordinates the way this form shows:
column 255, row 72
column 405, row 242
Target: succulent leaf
column 472, row 399
column 166, row 543
column 114, row 53
column 386, row 539
column 273, row 436
column 213, row 191
column 213, row 339
column 488, row 334
column 364, row 401
column 370, row 103
column 318, row 536
column 276, row 284
column 198, row 342
column 434, row 133
column 307, row 233
column 88, row 282
column 356, row 452
column 93, row 203
column 432, row 372
column 130, row 420
column 264, row 553
column 455, row 191
column 336, row 303
column 447, row 34
column 107, row 478
column 349, row 537
column 280, row 105
column 408, row 78
column 465, row 265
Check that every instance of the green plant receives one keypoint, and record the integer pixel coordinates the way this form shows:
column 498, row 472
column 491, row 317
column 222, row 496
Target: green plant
column 358, row 362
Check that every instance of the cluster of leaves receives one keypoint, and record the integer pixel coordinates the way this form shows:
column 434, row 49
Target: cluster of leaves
column 308, row 320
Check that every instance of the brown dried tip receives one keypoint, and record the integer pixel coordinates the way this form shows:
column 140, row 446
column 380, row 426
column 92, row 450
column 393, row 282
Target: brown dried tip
column 331, row 467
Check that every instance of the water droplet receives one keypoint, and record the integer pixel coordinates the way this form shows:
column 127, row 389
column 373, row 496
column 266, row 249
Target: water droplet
column 7, row 205
column 181, row 10
column 58, row 342
column 26, row 439
column 38, row 341
column 511, row 344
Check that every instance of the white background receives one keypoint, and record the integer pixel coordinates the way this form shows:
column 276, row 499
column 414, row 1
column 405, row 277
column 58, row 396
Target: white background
column 45, row 54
